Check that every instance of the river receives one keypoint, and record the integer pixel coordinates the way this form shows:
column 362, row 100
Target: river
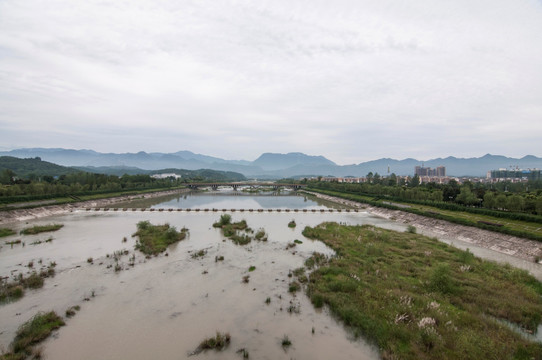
column 164, row 306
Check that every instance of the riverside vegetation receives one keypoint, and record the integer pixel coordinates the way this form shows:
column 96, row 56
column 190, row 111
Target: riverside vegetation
column 15, row 289
column 6, row 232
column 238, row 232
column 418, row 298
column 31, row 333
column 37, row 229
column 515, row 224
column 154, row 239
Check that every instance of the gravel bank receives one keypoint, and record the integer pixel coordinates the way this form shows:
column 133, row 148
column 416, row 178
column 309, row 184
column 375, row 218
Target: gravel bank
column 39, row 212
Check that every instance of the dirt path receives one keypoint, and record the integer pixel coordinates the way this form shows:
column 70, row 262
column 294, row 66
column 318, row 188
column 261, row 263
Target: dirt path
column 510, row 245
column 38, row 212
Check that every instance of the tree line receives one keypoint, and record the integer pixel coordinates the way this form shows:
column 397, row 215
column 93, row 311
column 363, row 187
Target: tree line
column 79, row 183
column 506, row 196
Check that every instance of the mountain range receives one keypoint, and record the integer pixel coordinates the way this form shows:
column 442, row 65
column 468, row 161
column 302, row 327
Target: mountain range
column 268, row 165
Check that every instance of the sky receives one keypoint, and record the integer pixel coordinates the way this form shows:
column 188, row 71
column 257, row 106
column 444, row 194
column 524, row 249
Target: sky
column 350, row 80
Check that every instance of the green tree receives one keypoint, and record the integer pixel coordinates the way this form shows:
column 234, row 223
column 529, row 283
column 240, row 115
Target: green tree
column 515, row 203
column 392, row 180
column 539, row 206
column 415, row 181
column 466, row 197
column 7, row 176
column 489, row 200
column 500, row 202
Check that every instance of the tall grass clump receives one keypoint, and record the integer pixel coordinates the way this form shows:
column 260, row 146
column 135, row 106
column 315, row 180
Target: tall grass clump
column 235, row 231
column 219, row 342
column 225, row 219
column 154, row 239
column 41, row 228
column 33, row 332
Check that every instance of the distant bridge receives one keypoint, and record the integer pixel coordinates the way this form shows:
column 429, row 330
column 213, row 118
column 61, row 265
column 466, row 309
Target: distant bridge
column 224, row 210
column 236, row 185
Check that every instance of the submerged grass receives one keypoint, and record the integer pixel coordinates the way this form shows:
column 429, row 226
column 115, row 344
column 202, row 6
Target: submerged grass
column 14, row 290
column 154, row 239
column 219, row 342
column 418, row 298
column 32, row 332
column 6, row 232
column 41, row 228
column 238, row 232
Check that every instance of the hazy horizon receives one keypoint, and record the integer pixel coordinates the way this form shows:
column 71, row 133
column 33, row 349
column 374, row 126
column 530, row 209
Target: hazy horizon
column 267, row 152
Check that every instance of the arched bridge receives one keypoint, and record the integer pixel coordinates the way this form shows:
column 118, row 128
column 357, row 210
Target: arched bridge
column 236, row 185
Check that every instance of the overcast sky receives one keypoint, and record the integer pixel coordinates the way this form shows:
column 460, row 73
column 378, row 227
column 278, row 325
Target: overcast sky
column 351, row 80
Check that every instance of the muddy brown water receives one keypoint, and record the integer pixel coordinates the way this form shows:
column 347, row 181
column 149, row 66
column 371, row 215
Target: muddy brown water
column 164, row 306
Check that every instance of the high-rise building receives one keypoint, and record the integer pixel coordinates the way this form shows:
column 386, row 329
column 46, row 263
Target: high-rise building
column 427, row 171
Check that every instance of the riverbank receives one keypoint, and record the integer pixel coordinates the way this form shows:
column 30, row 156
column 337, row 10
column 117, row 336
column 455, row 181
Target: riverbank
column 16, row 215
column 417, row 298
column 510, row 245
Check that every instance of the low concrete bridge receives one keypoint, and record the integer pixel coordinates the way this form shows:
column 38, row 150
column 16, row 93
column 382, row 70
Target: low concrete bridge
column 236, row 185
column 320, row 211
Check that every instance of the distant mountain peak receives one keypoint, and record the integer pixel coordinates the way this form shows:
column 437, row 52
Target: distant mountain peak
column 270, row 164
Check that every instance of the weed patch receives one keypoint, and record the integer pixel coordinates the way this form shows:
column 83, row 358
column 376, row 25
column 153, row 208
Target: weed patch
column 6, row 232
column 154, row 239
column 41, row 228
column 219, row 342
column 33, row 332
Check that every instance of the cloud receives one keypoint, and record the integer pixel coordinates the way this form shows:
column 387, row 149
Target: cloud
column 352, row 80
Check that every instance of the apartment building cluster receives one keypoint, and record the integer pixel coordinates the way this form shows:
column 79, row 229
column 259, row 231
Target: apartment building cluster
column 514, row 175
column 427, row 171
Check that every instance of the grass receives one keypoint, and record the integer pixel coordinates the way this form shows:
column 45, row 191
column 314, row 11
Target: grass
column 6, row 232
column 297, row 241
column 252, row 268
column 293, row 287
column 14, row 290
column 260, row 235
column 418, row 298
column 219, row 342
column 411, row 229
column 33, row 332
column 41, row 228
column 237, row 232
column 243, row 352
column 199, row 254
column 14, row 242
column 225, row 219
column 292, row 224
column 286, row 342
column 316, row 258
column 72, row 310
column 154, row 239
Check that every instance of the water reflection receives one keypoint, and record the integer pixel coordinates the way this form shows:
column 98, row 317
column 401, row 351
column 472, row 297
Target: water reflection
column 232, row 200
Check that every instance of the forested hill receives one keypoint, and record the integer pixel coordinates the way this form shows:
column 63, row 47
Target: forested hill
column 35, row 168
column 25, row 168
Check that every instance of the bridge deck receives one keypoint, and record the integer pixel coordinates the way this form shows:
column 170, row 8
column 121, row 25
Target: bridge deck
column 222, row 210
